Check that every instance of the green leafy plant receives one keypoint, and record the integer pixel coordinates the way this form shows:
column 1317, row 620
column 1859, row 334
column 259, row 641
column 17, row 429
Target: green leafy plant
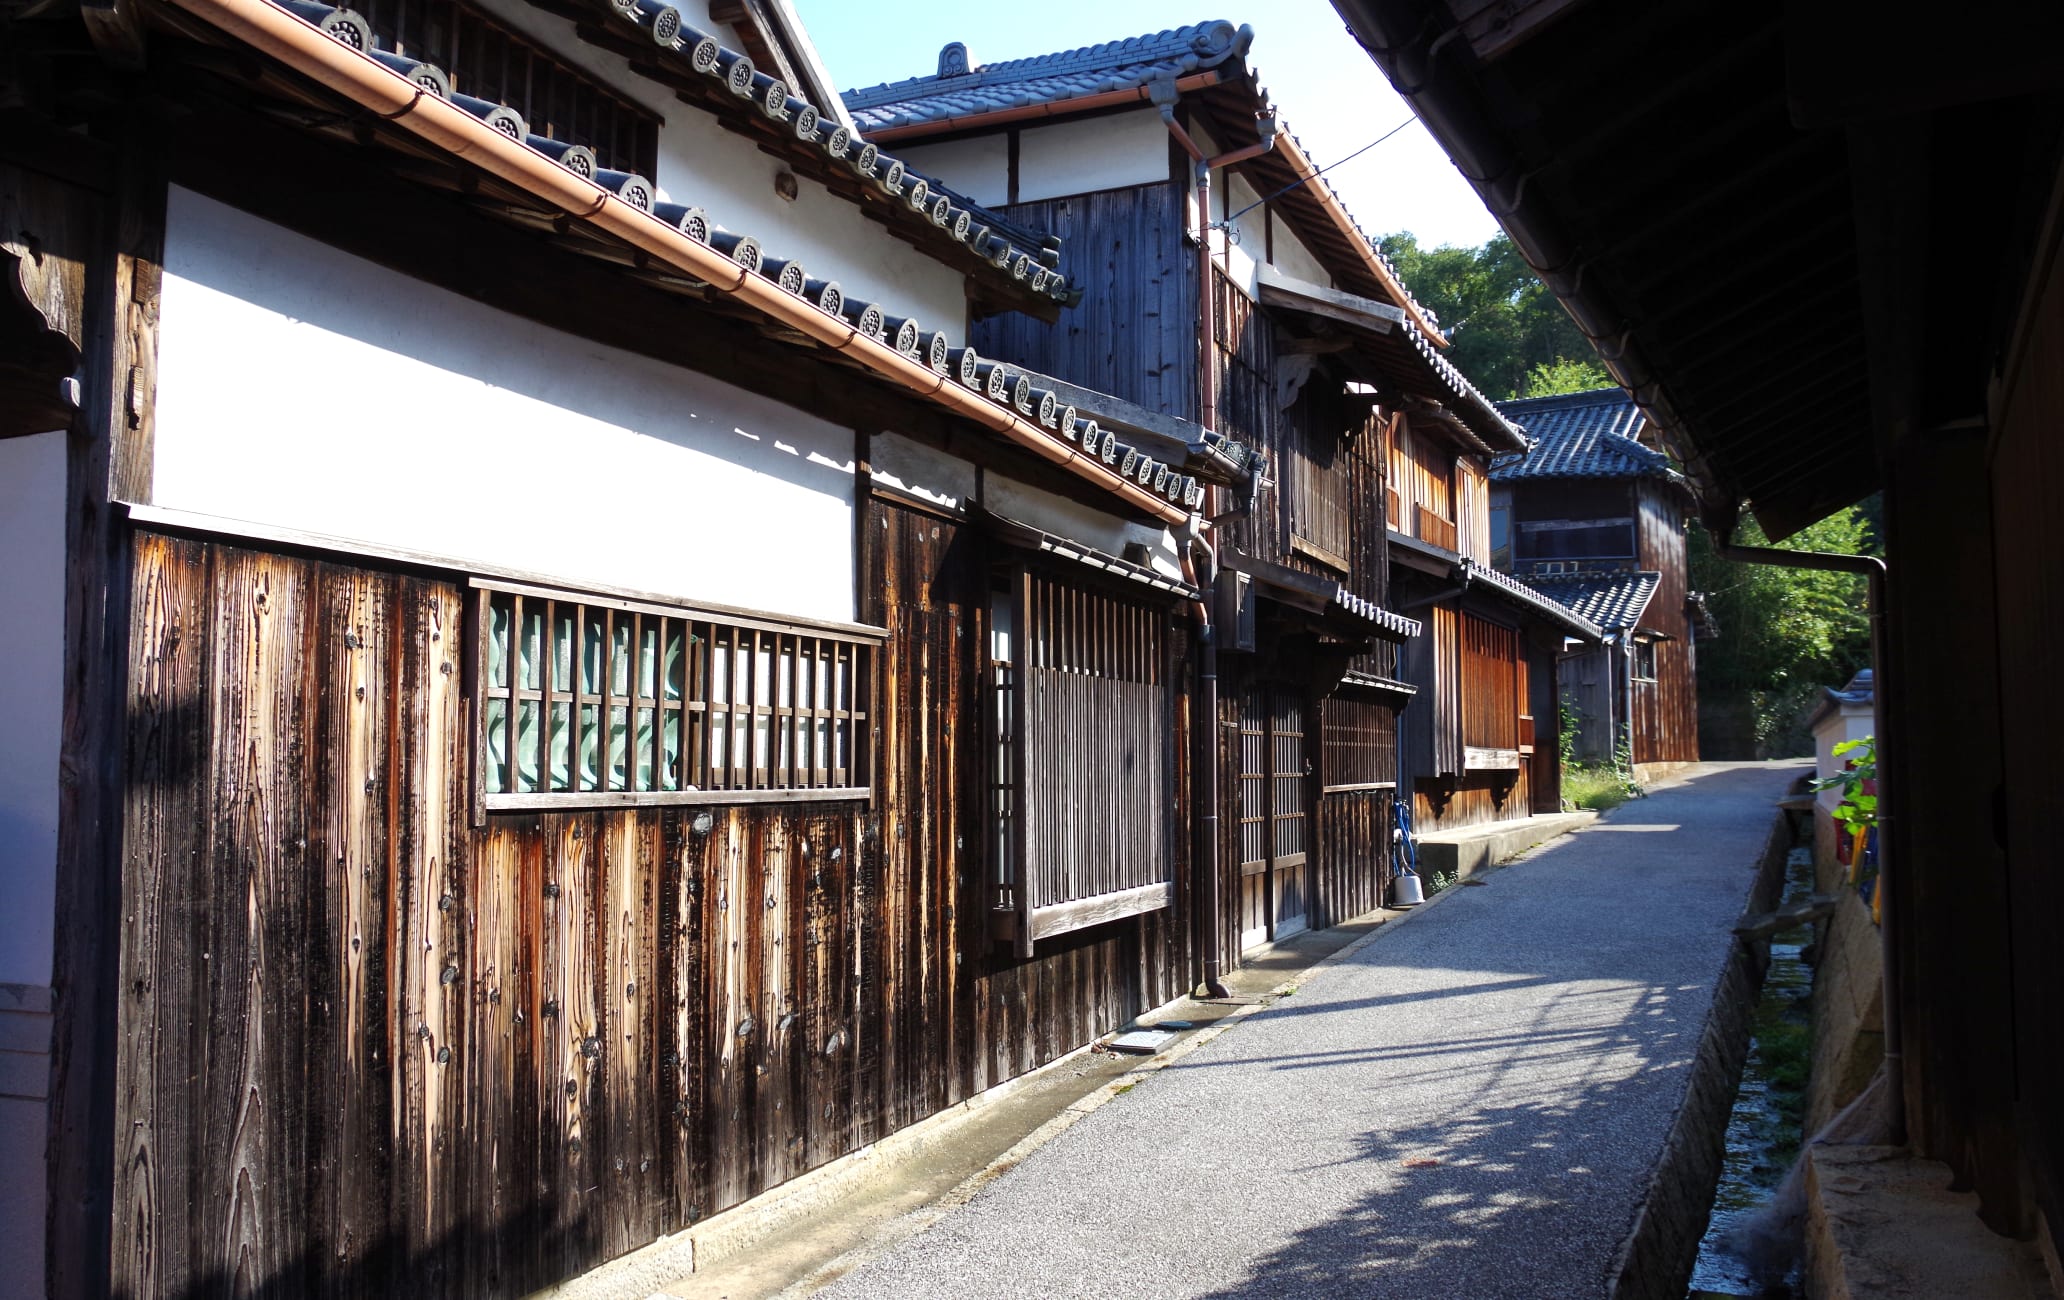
column 1562, row 375
column 1858, row 809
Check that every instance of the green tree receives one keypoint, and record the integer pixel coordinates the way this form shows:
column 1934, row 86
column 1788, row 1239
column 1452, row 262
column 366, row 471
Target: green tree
column 1784, row 634
column 1563, row 375
column 1500, row 319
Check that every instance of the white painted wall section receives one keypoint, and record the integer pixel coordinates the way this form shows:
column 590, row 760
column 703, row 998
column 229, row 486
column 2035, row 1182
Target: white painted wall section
column 702, row 164
column 978, row 166
column 32, row 567
column 32, row 577
column 1098, row 153
column 1246, row 244
column 305, row 388
column 1292, row 258
column 728, row 176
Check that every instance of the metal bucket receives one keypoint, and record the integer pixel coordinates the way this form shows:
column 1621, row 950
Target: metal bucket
column 1405, row 891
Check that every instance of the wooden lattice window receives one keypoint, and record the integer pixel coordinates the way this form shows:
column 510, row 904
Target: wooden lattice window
column 1082, row 778
column 1360, row 743
column 488, row 61
column 593, row 701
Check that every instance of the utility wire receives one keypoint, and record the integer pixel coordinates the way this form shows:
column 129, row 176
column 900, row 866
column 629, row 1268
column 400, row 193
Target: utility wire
column 1320, row 172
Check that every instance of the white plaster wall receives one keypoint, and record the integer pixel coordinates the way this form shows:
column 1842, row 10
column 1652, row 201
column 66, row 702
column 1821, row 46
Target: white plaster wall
column 1099, row 153
column 1292, row 258
column 978, row 166
column 23, row 1200
column 32, row 564
column 720, row 171
column 32, row 568
column 728, row 176
column 1248, row 247
column 304, row 388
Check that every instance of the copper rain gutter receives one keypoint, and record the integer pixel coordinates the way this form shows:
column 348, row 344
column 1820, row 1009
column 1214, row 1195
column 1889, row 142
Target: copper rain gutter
column 447, row 127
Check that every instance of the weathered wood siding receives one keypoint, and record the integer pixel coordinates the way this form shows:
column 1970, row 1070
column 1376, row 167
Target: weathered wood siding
column 1422, row 474
column 1134, row 335
column 366, row 1048
column 1666, row 713
column 1476, row 798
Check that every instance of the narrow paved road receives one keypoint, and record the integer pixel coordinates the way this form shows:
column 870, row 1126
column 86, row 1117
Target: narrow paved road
column 1466, row 1108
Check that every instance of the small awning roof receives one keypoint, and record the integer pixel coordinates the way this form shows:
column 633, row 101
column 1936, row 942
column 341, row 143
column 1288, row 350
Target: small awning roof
column 1030, row 537
column 1289, row 293
column 1326, row 597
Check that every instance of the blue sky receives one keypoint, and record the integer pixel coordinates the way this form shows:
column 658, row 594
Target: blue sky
column 1329, row 92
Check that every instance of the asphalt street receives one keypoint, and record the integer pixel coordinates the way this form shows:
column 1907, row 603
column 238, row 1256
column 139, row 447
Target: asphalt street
column 1467, row 1106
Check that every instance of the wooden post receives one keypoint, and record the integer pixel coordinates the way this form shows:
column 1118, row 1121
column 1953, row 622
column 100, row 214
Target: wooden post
column 109, row 461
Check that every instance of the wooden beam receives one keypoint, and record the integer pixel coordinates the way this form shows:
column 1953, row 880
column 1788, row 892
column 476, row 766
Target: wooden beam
column 117, row 31
column 1085, row 912
column 1291, row 294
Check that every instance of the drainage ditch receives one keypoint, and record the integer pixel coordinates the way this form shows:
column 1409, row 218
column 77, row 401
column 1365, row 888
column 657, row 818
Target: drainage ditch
column 1763, row 1129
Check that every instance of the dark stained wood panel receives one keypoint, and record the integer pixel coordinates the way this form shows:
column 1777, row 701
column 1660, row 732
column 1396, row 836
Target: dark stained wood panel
column 1666, row 713
column 367, row 1047
column 1134, row 335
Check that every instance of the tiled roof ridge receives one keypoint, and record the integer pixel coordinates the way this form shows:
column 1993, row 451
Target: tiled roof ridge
column 1580, row 397
column 1529, row 595
column 1613, row 599
column 1582, row 435
column 963, row 221
column 1200, row 46
column 1001, row 385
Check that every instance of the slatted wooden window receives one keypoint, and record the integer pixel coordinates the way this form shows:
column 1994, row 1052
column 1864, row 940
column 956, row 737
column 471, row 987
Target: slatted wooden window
column 1081, row 777
column 1360, row 743
column 1492, row 686
column 586, row 701
column 488, row 61
column 1320, row 499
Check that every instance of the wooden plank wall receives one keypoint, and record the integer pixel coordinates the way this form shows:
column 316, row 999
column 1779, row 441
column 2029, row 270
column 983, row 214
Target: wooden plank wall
column 1422, row 472
column 1492, row 697
column 365, row 1048
column 1430, row 729
column 1476, row 798
column 1095, row 798
column 1134, row 335
column 1666, row 714
column 2027, row 480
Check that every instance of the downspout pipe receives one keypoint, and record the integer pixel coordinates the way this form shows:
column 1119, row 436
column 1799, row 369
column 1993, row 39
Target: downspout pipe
column 1874, row 573
column 1627, row 668
column 1204, row 744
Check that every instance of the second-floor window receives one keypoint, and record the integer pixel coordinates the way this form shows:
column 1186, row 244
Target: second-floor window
column 1575, row 539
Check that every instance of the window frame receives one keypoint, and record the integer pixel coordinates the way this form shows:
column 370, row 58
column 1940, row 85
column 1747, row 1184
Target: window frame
column 1008, row 812
column 1644, row 655
column 851, row 722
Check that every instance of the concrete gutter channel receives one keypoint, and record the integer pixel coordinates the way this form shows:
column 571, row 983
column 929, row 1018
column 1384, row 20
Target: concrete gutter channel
column 1657, row 1257
column 814, row 1229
